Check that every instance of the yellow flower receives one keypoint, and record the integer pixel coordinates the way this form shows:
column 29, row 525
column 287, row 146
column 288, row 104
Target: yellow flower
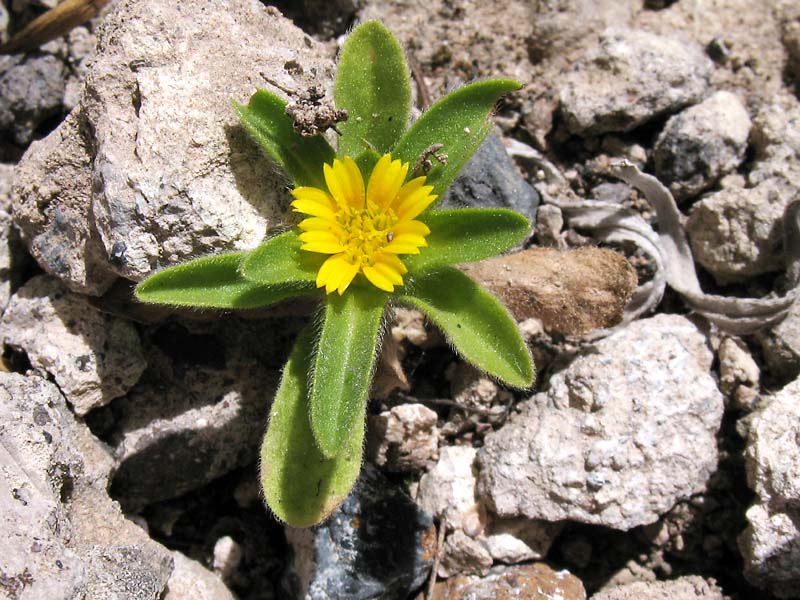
column 363, row 229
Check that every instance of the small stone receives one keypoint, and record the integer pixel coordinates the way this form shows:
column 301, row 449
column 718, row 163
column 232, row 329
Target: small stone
column 192, row 581
column 227, row 556
column 549, row 223
column 377, row 544
column 701, row 144
column 491, row 180
column 739, row 374
column 516, row 540
column 781, row 346
column 631, row 457
column 403, row 439
column 410, row 325
column 12, row 252
column 631, row 77
column 448, row 489
column 771, row 543
column 683, row 588
column 93, row 357
column 531, row 582
column 463, row 555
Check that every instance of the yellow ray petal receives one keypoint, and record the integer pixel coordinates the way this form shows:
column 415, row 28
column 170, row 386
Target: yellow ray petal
column 392, row 261
column 395, row 248
column 315, row 209
column 408, row 238
column 388, row 271
column 414, row 203
column 329, row 272
column 319, row 224
column 386, row 181
column 323, row 247
column 377, row 278
column 347, row 274
column 415, row 227
column 345, row 182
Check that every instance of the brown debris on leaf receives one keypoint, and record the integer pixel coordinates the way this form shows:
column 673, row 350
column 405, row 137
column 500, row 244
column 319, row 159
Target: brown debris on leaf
column 311, row 115
column 571, row 292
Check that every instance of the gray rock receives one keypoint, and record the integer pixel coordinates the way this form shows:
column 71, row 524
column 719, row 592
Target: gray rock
column 199, row 411
column 192, row 581
column 447, row 490
column 31, row 90
column 92, row 356
column 701, row 144
column 52, row 201
column 640, row 411
column 735, row 233
column 771, row 543
column 12, row 252
column 403, row 439
column 533, row 582
column 631, row 77
column 739, row 374
column 63, row 537
column 684, row 588
column 377, row 544
column 776, row 141
column 489, row 180
column 781, row 346
column 3, row 23
column 168, row 172
column 463, row 555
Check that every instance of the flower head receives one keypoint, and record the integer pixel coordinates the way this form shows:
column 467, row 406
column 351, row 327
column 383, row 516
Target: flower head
column 363, row 228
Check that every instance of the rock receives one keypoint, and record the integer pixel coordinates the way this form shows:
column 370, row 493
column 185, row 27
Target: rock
column 771, row 543
column 781, row 346
column 776, row 142
column 227, row 556
column 62, row 535
column 684, row 588
column 377, row 544
column 154, row 194
column 701, row 144
column 735, row 233
column 31, row 91
column 12, row 253
column 3, row 23
column 790, row 36
column 462, row 555
column 199, row 411
column 631, row 77
column 739, row 374
column 192, row 581
column 92, row 356
column 491, row 180
column 403, row 439
column 632, row 455
column 54, row 211
column 571, row 292
column 549, row 223
column 448, row 489
column 532, row 582
column 470, row 389
column 516, row 540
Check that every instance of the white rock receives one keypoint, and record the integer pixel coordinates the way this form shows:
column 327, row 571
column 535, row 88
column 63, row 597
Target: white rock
column 739, row 374
column 192, row 581
column 632, row 76
column 448, row 489
column 516, row 540
column 771, row 543
column 404, row 438
column 227, row 556
column 639, row 411
column 93, row 357
column 683, row 588
column 165, row 171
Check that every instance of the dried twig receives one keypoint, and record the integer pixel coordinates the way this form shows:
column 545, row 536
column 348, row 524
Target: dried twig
column 437, row 557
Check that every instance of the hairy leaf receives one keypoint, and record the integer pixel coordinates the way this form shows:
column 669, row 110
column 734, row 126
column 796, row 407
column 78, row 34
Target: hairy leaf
column 459, row 121
column 301, row 157
column 213, row 282
column 372, row 84
column 279, row 260
column 344, row 364
column 466, row 235
column 301, row 485
column 479, row 327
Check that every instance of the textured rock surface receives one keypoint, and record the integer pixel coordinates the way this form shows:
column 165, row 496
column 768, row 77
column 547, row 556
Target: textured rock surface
column 198, row 412
column 192, row 581
column 490, row 179
column 92, row 356
column 683, row 588
column 448, row 489
column 532, row 582
column 11, row 250
column 167, row 172
column 739, row 374
column 512, row 541
column 781, row 346
column 62, row 536
column 348, row 556
column 630, row 78
column 641, row 412
column 463, row 555
column 403, row 439
column 701, row 144
column 570, row 292
column 771, row 542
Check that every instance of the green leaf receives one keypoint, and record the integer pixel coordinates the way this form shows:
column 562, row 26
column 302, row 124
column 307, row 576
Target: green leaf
column 344, row 364
column 366, row 162
column 301, row 486
column 279, row 260
column 212, row 282
column 372, row 84
column 301, row 157
column 466, row 235
column 479, row 327
column 460, row 122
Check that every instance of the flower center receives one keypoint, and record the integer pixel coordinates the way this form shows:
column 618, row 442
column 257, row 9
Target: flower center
column 365, row 231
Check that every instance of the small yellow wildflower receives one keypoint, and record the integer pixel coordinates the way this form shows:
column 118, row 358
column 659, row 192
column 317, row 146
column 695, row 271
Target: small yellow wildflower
column 363, row 230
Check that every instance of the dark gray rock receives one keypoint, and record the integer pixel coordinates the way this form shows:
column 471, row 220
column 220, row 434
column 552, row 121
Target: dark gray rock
column 378, row 544
column 31, row 90
column 490, row 180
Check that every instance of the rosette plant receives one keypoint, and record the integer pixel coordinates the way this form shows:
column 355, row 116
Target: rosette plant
column 370, row 238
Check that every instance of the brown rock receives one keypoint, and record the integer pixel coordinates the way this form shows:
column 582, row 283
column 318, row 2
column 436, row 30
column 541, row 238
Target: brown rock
column 571, row 292
column 532, row 582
